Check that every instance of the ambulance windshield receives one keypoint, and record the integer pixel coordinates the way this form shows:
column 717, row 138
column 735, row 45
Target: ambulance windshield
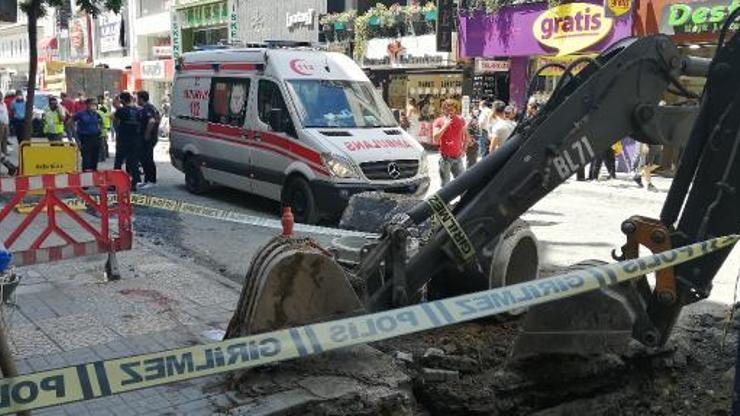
column 341, row 104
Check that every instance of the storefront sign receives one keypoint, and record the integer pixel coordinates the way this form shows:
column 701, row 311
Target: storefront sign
column 175, row 35
column 562, row 60
column 406, row 52
column 616, row 8
column 571, row 27
column 534, row 29
column 697, row 17
column 110, row 32
column 153, row 70
column 233, row 23
column 445, row 24
column 78, row 39
column 300, row 18
column 204, row 15
column 489, row 65
column 164, row 51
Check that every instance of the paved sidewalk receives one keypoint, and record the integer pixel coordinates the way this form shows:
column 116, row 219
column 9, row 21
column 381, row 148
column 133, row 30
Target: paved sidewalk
column 67, row 315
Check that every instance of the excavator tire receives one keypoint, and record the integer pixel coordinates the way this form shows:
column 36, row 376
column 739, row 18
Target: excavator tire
column 513, row 258
column 291, row 282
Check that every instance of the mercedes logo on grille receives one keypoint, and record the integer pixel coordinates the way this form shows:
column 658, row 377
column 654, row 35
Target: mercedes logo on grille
column 393, row 171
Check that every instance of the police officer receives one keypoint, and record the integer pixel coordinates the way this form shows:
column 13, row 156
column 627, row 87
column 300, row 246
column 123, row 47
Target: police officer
column 89, row 124
column 129, row 140
column 54, row 118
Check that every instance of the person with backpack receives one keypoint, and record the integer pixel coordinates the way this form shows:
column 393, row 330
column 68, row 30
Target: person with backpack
column 150, row 119
column 89, row 127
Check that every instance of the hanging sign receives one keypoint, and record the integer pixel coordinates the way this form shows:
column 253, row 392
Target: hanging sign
column 490, row 65
column 616, row 8
column 572, row 27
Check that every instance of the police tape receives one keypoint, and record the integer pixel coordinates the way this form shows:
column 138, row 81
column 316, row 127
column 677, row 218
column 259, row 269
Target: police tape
column 233, row 216
column 458, row 236
column 183, row 207
column 108, row 377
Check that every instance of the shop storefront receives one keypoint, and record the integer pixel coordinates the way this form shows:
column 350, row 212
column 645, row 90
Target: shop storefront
column 295, row 20
column 425, row 93
column 202, row 23
column 409, row 71
column 529, row 32
column 155, row 77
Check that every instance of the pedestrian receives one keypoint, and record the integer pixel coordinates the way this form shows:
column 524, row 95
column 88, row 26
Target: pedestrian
column 129, row 138
column 19, row 115
column 80, row 104
column 89, row 125
column 105, row 115
column 150, row 119
column 69, row 107
column 4, row 127
column 607, row 158
column 647, row 161
column 403, row 122
column 472, row 151
column 502, row 125
column 484, row 124
column 450, row 132
column 54, row 119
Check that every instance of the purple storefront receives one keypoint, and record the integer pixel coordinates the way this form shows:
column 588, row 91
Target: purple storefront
column 531, row 34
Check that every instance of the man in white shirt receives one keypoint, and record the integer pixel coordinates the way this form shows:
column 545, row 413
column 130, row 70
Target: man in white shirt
column 502, row 124
column 484, row 124
column 4, row 126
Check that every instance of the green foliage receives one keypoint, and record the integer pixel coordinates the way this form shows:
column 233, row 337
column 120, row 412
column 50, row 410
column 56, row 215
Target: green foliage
column 92, row 7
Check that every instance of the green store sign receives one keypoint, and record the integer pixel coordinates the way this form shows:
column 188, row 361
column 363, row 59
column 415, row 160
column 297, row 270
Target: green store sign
column 202, row 15
column 697, row 17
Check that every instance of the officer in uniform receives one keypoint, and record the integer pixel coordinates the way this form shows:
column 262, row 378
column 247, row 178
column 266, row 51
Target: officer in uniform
column 105, row 115
column 54, row 117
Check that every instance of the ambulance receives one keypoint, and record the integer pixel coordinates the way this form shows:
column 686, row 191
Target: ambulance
column 294, row 124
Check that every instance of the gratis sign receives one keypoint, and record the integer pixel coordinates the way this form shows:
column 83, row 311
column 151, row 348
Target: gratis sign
column 697, row 17
column 572, row 27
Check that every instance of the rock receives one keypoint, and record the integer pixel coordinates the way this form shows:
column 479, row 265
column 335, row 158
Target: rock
column 729, row 375
column 452, row 362
column 436, row 375
column 404, row 356
column 369, row 211
column 656, row 409
column 434, row 352
column 710, row 393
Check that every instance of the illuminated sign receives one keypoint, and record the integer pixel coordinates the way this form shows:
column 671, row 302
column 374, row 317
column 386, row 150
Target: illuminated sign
column 697, row 17
column 572, row 27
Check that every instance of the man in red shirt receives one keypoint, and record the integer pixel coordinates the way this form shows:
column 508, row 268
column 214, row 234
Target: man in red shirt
column 450, row 132
column 80, row 104
column 69, row 106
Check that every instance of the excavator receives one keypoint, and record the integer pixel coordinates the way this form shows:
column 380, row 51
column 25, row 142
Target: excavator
column 294, row 281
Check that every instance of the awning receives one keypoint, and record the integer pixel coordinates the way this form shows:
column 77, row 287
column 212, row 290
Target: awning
column 49, row 43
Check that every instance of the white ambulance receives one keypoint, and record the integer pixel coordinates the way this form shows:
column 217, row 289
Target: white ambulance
column 297, row 125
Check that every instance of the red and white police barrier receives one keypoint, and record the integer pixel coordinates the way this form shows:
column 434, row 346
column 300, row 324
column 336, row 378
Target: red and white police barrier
column 90, row 187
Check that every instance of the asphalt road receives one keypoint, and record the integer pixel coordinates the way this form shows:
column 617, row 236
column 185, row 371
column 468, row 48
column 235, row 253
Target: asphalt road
column 580, row 220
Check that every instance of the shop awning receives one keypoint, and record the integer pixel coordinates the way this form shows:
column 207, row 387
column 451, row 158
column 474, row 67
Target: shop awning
column 49, row 43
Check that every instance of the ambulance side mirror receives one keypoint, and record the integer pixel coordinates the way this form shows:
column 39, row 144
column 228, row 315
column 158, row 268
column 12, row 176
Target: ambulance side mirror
column 277, row 122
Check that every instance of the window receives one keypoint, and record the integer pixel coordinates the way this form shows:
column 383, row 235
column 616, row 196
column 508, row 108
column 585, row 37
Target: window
column 270, row 97
column 340, row 104
column 228, row 101
column 150, row 7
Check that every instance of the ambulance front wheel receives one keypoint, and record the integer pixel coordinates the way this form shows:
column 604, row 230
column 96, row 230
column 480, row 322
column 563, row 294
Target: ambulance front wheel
column 195, row 182
column 297, row 194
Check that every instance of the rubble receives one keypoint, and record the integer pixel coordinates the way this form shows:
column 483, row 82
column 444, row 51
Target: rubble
column 436, row 375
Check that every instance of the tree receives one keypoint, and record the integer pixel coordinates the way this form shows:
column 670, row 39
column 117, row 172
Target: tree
column 36, row 9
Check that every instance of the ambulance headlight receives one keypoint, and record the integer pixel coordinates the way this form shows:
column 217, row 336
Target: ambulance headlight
column 340, row 166
column 424, row 165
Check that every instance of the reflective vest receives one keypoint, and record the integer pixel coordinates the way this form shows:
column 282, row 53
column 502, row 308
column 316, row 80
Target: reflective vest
column 106, row 120
column 55, row 120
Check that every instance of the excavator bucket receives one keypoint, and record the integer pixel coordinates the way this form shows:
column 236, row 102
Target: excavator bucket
column 594, row 323
column 292, row 282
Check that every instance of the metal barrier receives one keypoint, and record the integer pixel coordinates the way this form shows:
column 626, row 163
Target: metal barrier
column 53, row 186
